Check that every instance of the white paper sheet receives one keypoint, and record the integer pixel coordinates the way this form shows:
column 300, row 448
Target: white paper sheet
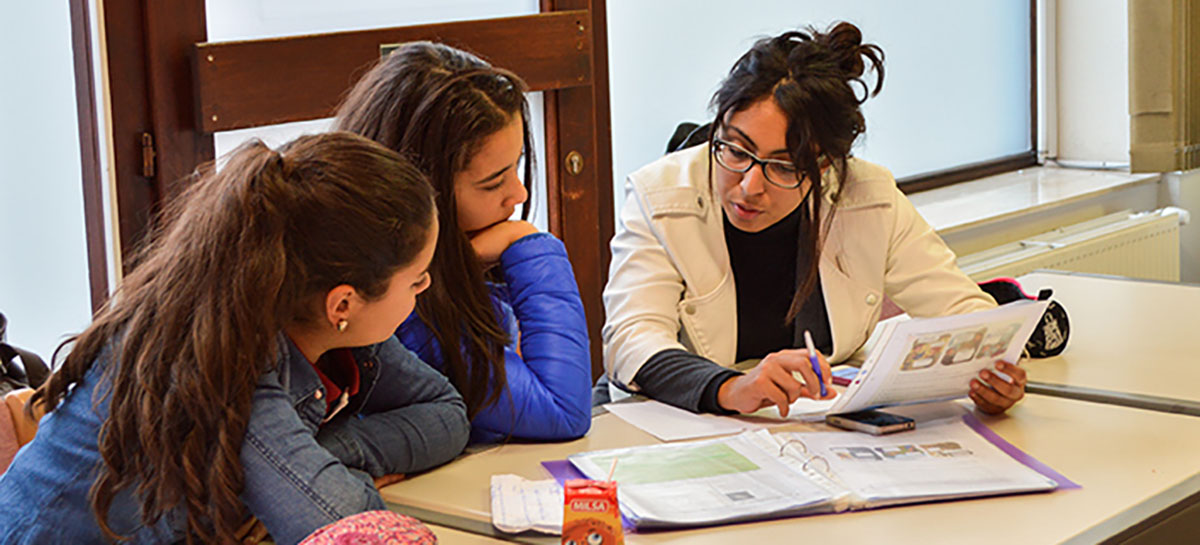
column 519, row 504
column 673, row 424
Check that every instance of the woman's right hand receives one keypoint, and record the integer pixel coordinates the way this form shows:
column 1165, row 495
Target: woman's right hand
column 772, row 382
column 491, row 241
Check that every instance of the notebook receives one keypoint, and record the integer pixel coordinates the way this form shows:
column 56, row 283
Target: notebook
column 757, row 475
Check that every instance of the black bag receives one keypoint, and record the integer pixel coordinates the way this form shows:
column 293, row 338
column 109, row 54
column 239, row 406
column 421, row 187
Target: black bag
column 1049, row 338
column 18, row 368
column 688, row 134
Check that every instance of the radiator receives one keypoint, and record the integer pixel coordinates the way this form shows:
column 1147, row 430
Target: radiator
column 1137, row 245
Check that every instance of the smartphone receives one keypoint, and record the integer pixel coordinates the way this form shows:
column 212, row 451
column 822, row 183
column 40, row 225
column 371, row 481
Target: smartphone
column 872, row 422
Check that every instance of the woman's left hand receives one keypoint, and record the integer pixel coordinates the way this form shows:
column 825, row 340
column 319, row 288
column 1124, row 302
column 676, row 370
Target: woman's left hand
column 1002, row 394
column 491, row 241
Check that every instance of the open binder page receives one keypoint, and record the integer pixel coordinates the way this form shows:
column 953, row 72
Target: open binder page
column 929, row 359
column 706, row 482
column 943, row 461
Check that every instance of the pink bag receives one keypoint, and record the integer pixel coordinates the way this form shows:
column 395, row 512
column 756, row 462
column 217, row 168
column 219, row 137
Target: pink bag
column 373, row 528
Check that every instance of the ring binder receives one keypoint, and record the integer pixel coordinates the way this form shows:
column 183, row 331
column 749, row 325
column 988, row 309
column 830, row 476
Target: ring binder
column 754, row 475
column 807, row 458
column 789, row 442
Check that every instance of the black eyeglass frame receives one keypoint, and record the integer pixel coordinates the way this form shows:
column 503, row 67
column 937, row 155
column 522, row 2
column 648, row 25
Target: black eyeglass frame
column 755, row 160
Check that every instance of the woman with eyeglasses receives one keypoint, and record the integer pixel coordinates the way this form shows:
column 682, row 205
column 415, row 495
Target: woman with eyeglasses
column 732, row 250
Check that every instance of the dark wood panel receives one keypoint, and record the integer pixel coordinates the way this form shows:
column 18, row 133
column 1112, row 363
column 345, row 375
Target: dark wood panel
column 261, row 82
column 913, row 184
column 585, row 199
column 171, row 28
column 155, row 141
column 554, row 220
column 585, row 206
column 136, row 195
column 89, row 153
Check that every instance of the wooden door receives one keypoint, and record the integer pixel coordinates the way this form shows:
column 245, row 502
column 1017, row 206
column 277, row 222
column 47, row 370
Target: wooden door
column 171, row 90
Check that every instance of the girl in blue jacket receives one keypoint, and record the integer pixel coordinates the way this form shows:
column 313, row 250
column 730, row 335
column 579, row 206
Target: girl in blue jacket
column 503, row 319
column 246, row 365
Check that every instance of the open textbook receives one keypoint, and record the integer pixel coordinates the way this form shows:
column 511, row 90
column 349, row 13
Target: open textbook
column 758, row 475
column 928, row 359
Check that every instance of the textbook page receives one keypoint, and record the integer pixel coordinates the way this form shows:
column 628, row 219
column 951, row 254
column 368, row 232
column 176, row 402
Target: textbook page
column 936, row 358
column 705, row 482
column 929, row 359
column 942, row 461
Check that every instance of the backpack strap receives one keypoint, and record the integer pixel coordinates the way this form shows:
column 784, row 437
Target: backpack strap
column 32, row 370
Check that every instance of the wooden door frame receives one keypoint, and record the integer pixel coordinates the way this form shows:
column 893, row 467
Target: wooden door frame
column 89, row 153
column 171, row 89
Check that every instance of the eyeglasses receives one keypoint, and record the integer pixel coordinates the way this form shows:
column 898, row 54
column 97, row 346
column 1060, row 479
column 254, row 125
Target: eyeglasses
column 732, row 157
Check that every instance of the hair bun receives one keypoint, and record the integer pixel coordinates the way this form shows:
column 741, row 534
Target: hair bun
column 844, row 42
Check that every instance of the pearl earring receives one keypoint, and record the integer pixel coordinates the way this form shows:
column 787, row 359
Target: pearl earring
column 342, row 325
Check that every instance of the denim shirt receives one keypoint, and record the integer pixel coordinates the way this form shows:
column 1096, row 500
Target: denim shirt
column 300, row 473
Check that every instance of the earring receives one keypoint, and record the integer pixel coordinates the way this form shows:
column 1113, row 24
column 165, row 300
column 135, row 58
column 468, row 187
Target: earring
column 342, row 325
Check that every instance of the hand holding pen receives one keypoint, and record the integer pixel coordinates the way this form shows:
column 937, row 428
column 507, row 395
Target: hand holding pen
column 773, row 382
column 813, row 357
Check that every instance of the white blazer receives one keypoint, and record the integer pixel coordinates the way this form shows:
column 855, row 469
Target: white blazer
column 671, row 285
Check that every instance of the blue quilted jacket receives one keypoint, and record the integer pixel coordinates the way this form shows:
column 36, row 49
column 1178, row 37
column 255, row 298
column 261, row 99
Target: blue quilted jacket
column 549, row 382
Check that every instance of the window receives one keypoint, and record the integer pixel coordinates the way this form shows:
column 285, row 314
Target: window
column 958, row 85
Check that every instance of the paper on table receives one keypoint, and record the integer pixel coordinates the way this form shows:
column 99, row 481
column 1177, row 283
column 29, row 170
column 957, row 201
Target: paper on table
column 519, row 504
column 672, row 424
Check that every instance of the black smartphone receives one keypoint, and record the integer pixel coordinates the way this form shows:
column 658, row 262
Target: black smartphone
column 872, row 422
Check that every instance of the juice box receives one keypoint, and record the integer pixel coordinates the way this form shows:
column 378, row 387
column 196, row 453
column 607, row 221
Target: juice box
column 591, row 515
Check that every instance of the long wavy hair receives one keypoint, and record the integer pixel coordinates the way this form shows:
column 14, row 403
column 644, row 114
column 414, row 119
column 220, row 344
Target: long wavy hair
column 437, row 104
column 246, row 250
column 812, row 76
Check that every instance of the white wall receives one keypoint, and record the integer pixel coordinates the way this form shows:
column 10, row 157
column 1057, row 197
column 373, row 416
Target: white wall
column 1093, row 107
column 43, row 258
column 1093, row 80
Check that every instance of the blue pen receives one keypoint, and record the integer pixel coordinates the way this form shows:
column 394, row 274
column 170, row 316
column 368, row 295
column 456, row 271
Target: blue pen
column 812, row 357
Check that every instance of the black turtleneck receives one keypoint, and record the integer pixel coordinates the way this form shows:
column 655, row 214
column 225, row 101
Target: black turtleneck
column 765, row 271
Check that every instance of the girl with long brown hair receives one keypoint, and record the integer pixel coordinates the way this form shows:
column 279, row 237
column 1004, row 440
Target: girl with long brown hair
column 515, row 347
column 246, row 365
